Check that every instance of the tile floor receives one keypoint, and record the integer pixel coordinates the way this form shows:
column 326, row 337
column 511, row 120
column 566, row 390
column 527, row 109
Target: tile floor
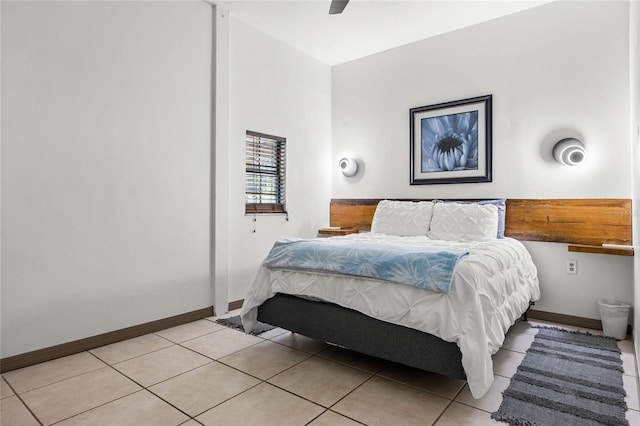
column 202, row 373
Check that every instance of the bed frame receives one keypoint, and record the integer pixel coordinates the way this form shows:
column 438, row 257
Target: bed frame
column 351, row 329
column 589, row 222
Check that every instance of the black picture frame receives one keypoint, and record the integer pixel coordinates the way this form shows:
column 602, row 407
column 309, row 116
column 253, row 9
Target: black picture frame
column 451, row 142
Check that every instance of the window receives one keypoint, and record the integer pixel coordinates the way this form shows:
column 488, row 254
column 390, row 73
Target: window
column 265, row 173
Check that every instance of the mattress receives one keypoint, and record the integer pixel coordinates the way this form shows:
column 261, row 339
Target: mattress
column 491, row 288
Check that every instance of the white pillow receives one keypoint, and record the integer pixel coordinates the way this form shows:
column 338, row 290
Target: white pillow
column 402, row 218
column 464, row 222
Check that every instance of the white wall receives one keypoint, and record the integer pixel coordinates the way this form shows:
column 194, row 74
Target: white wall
column 105, row 167
column 555, row 71
column 277, row 90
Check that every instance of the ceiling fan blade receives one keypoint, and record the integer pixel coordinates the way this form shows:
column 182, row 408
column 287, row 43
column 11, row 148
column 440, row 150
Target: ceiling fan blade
column 337, row 6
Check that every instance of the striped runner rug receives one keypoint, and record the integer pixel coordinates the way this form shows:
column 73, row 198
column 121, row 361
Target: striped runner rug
column 567, row 378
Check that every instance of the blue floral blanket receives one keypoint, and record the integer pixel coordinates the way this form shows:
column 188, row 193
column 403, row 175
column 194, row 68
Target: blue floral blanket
column 429, row 268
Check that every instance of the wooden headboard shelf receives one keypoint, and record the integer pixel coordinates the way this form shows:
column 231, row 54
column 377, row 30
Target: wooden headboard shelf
column 579, row 221
column 351, row 213
column 590, row 222
column 586, row 248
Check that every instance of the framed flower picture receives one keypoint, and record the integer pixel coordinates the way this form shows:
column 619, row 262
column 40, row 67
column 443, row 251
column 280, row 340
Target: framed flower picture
column 451, row 142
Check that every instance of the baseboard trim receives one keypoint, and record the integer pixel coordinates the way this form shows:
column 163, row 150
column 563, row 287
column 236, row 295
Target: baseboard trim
column 570, row 320
column 566, row 319
column 236, row 304
column 70, row 348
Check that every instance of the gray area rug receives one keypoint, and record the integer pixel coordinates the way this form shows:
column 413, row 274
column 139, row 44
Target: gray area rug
column 235, row 322
column 566, row 378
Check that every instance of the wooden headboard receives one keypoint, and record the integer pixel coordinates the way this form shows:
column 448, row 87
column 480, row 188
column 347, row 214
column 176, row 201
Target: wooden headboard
column 577, row 221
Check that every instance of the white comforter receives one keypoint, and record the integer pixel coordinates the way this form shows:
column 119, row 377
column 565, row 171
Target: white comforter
column 491, row 288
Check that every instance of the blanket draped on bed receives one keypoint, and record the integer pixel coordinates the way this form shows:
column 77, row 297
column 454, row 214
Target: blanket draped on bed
column 429, row 268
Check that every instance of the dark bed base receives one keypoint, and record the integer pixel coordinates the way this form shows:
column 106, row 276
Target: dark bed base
column 351, row 329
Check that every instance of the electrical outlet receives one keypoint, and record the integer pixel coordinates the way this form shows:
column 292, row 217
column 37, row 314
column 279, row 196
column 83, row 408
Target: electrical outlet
column 572, row 267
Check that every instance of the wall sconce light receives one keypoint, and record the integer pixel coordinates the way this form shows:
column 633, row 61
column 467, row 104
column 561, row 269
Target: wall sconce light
column 348, row 166
column 569, row 152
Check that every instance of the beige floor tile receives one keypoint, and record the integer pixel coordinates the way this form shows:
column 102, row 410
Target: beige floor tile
column 14, row 413
column 506, row 362
column 329, row 418
column 198, row 390
column 191, row 423
column 265, row 359
column 82, row 390
column 354, row 359
column 46, row 373
column 189, row 331
column 430, row 382
column 5, row 389
column 491, row 400
column 321, row 381
column 461, row 415
column 523, row 327
column 67, row 398
column 631, row 387
column 634, row 417
column 384, row 402
column 263, row 405
column 160, row 365
column 518, row 342
column 628, row 357
column 127, row 349
column 273, row 333
column 626, row 346
column 222, row 343
column 138, row 409
column 300, row 342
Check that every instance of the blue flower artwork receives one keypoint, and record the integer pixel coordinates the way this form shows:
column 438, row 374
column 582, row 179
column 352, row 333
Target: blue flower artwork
column 450, row 142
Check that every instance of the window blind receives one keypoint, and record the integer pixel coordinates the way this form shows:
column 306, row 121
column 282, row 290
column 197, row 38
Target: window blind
column 265, row 173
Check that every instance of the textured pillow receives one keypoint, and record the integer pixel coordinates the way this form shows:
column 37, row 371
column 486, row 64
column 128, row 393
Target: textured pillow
column 500, row 203
column 402, row 218
column 464, row 222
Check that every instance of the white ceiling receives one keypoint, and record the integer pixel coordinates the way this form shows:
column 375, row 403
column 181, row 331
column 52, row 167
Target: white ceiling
column 366, row 26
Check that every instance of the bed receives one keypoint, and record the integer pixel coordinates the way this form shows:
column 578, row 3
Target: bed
column 452, row 328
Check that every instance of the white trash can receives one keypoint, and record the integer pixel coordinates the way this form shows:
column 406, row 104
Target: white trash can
column 615, row 317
